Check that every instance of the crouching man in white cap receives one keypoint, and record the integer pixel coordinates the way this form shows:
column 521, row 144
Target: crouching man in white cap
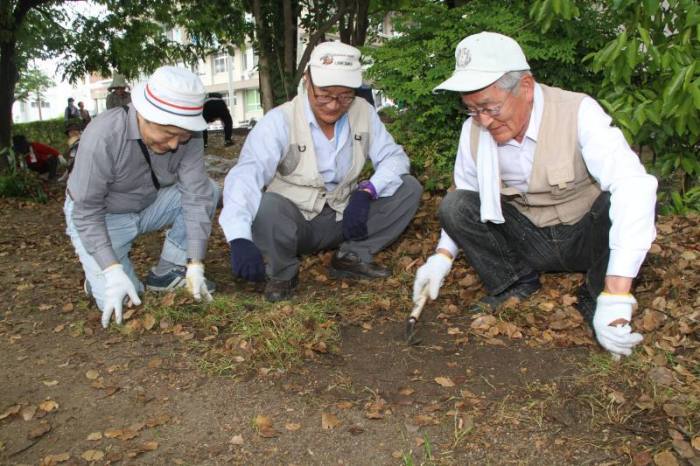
column 307, row 155
column 140, row 168
column 544, row 183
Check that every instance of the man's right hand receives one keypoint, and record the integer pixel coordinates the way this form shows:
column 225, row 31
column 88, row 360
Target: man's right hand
column 118, row 286
column 246, row 260
column 431, row 275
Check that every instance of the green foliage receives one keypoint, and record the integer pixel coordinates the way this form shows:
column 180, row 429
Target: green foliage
column 49, row 132
column 32, row 85
column 408, row 67
column 17, row 181
column 651, row 83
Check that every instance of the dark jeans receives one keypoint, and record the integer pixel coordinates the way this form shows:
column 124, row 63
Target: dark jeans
column 502, row 254
column 50, row 167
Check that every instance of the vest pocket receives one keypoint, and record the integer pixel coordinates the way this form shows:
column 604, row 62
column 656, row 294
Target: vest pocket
column 291, row 159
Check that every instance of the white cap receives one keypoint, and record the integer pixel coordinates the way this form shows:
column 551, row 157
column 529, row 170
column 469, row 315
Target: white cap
column 335, row 64
column 481, row 59
column 171, row 96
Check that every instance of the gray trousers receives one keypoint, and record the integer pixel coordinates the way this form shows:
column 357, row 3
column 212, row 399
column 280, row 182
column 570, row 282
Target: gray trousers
column 282, row 233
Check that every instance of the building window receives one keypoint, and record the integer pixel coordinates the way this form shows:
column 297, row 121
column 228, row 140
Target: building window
column 250, row 60
column 220, row 64
column 44, row 104
column 252, row 100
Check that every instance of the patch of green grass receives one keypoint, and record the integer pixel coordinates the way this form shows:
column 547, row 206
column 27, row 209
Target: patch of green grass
column 251, row 332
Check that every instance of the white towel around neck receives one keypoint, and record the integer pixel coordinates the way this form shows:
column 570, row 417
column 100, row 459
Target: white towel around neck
column 489, row 178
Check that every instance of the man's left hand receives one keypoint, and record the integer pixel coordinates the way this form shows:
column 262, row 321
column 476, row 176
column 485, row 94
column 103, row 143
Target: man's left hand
column 613, row 313
column 355, row 216
column 196, row 283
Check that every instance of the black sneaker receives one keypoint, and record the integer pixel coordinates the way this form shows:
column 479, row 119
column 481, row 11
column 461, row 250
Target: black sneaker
column 280, row 290
column 175, row 278
column 521, row 289
column 349, row 265
column 585, row 304
column 228, row 143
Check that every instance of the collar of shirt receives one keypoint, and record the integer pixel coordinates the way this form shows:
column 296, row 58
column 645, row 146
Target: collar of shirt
column 339, row 133
column 533, row 128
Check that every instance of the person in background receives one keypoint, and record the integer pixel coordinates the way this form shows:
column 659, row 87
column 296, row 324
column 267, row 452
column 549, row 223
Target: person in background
column 39, row 157
column 118, row 94
column 71, row 112
column 84, row 114
column 73, row 131
column 545, row 183
column 215, row 109
column 140, row 168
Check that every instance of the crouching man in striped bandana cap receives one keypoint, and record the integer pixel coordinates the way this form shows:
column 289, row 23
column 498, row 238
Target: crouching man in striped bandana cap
column 140, row 168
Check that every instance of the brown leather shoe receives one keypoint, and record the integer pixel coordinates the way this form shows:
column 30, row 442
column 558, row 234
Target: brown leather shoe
column 280, row 290
column 349, row 265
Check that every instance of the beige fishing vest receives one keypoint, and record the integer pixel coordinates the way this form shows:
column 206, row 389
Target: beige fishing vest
column 560, row 189
column 297, row 177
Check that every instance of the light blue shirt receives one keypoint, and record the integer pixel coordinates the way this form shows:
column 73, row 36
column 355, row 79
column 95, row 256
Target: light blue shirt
column 267, row 143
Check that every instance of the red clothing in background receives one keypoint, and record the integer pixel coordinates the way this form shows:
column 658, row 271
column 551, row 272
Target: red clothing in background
column 42, row 154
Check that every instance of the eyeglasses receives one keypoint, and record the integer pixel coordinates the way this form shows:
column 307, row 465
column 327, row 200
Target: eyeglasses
column 342, row 99
column 491, row 112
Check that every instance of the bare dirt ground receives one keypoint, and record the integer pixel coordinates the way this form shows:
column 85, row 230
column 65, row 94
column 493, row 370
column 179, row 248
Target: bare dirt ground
column 326, row 378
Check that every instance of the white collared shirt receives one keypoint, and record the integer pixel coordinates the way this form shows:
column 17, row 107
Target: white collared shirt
column 609, row 159
column 266, row 144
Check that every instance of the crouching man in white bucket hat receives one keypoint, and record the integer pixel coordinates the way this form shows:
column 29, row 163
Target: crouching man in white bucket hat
column 544, row 183
column 308, row 155
column 140, row 168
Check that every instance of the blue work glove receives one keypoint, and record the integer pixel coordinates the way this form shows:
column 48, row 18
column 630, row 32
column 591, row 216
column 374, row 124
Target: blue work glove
column 246, row 260
column 355, row 216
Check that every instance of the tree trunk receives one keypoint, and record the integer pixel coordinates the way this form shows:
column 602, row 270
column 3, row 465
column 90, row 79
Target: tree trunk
column 264, row 76
column 361, row 23
column 8, row 79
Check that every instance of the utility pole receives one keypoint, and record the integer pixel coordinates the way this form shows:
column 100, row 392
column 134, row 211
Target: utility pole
column 231, row 90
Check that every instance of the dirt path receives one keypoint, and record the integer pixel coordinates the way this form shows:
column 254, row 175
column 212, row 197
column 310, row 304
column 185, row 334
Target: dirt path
column 526, row 386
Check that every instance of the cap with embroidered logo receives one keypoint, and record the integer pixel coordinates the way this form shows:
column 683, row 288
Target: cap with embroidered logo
column 171, row 96
column 335, row 64
column 481, row 59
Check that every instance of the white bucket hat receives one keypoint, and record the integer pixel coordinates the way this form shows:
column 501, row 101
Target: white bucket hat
column 481, row 59
column 171, row 96
column 335, row 64
column 118, row 80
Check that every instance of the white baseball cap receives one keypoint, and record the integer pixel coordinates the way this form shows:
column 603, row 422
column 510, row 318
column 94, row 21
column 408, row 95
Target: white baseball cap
column 335, row 64
column 481, row 59
column 171, row 96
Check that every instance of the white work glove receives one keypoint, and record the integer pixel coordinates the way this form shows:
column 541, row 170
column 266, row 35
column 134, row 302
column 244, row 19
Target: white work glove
column 118, row 287
column 196, row 284
column 431, row 275
column 618, row 339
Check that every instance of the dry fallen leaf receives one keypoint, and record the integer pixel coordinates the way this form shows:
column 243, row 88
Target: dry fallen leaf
column 264, row 426
column 149, row 321
column 92, row 455
column 329, row 421
column 94, row 436
column 51, row 460
column 696, row 442
column 40, row 429
column 343, row 405
column 92, row 374
column 665, row 458
column 50, row 383
column 406, row 391
column 149, row 446
column 444, row 381
column 48, row 406
column 236, row 440
column 28, row 412
column 11, row 411
column 292, row 426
